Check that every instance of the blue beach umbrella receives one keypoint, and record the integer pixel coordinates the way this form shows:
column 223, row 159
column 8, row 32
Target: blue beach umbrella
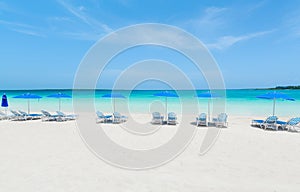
column 114, row 96
column 28, row 96
column 275, row 96
column 4, row 102
column 166, row 94
column 208, row 95
column 59, row 96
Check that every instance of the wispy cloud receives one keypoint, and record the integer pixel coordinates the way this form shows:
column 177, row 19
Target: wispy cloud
column 29, row 32
column 22, row 28
column 211, row 17
column 257, row 6
column 291, row 24
column 227, row 41
column 96, row 28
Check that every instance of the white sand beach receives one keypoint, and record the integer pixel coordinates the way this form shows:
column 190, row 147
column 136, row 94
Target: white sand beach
column 51, row 156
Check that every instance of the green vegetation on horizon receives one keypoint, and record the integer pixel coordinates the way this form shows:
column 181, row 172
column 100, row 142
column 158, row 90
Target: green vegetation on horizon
column 286, row 87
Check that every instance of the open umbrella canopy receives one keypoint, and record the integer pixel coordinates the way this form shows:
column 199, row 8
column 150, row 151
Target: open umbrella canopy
column 274, row 96
column 166, row 94
column 208, row 95
column 114, row 96
column 4, row 102
column 28, row 96
column 59, row 96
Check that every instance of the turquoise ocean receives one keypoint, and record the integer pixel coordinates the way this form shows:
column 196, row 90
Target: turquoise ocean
column 242, row 102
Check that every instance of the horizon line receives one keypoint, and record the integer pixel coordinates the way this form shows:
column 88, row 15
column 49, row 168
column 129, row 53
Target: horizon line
column 70, row 89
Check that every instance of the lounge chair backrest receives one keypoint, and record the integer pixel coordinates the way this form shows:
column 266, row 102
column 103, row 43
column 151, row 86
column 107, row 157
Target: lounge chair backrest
column 271, row 119
column 222, row 117
column 15, row 113
column 59, row 113
column 171, row 115
column 100, row 114
column 156, row 115
column 46, row 113
column 117, row 114
column 2, row 114
column 294, row 121
column 202, row 116
column 23, row 113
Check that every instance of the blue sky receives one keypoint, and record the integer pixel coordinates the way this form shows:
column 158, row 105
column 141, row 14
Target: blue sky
column 255, row 43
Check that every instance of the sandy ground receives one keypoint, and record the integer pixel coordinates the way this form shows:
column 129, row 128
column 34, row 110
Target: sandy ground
column 51, row 156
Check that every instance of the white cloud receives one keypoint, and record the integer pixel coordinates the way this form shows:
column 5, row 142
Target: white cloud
column 258, row 5
column 211, row 18
column 22, row 28
column 161, row 34
column 227, row 41
column 28, row 32
column 79, row 13
column 292, row 24
column 212, row 14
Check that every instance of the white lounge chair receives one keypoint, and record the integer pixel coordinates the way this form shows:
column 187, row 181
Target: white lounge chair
column 268, row 122
column 17, row 116
column 157, row 118
column 30, row 116
column 64, row 117
column 293, row 125
column 118, row 118
column 294, row 128
column 221, row 120
column 172, row 118
column 48, row 116
column 4, row 116
column 201, row 120
column 101, row 118
column 273, row 123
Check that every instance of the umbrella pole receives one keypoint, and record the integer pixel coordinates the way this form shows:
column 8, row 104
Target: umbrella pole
column 274, row 100
column 114, row 105
column 59, row 104
column 208, row 110
column 166, row 107
column 28, row 106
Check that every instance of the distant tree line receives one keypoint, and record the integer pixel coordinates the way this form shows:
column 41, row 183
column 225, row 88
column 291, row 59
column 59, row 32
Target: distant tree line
column 287, row 87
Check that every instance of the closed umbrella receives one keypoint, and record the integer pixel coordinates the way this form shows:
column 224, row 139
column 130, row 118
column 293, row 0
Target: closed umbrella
column 114, row 96
column 28, row 96
column 275, row 96
column 59, row 96
column 207, row 95
column 166, row 94
column 4, row 102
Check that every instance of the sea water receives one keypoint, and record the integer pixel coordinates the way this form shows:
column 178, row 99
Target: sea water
column 241, row 102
